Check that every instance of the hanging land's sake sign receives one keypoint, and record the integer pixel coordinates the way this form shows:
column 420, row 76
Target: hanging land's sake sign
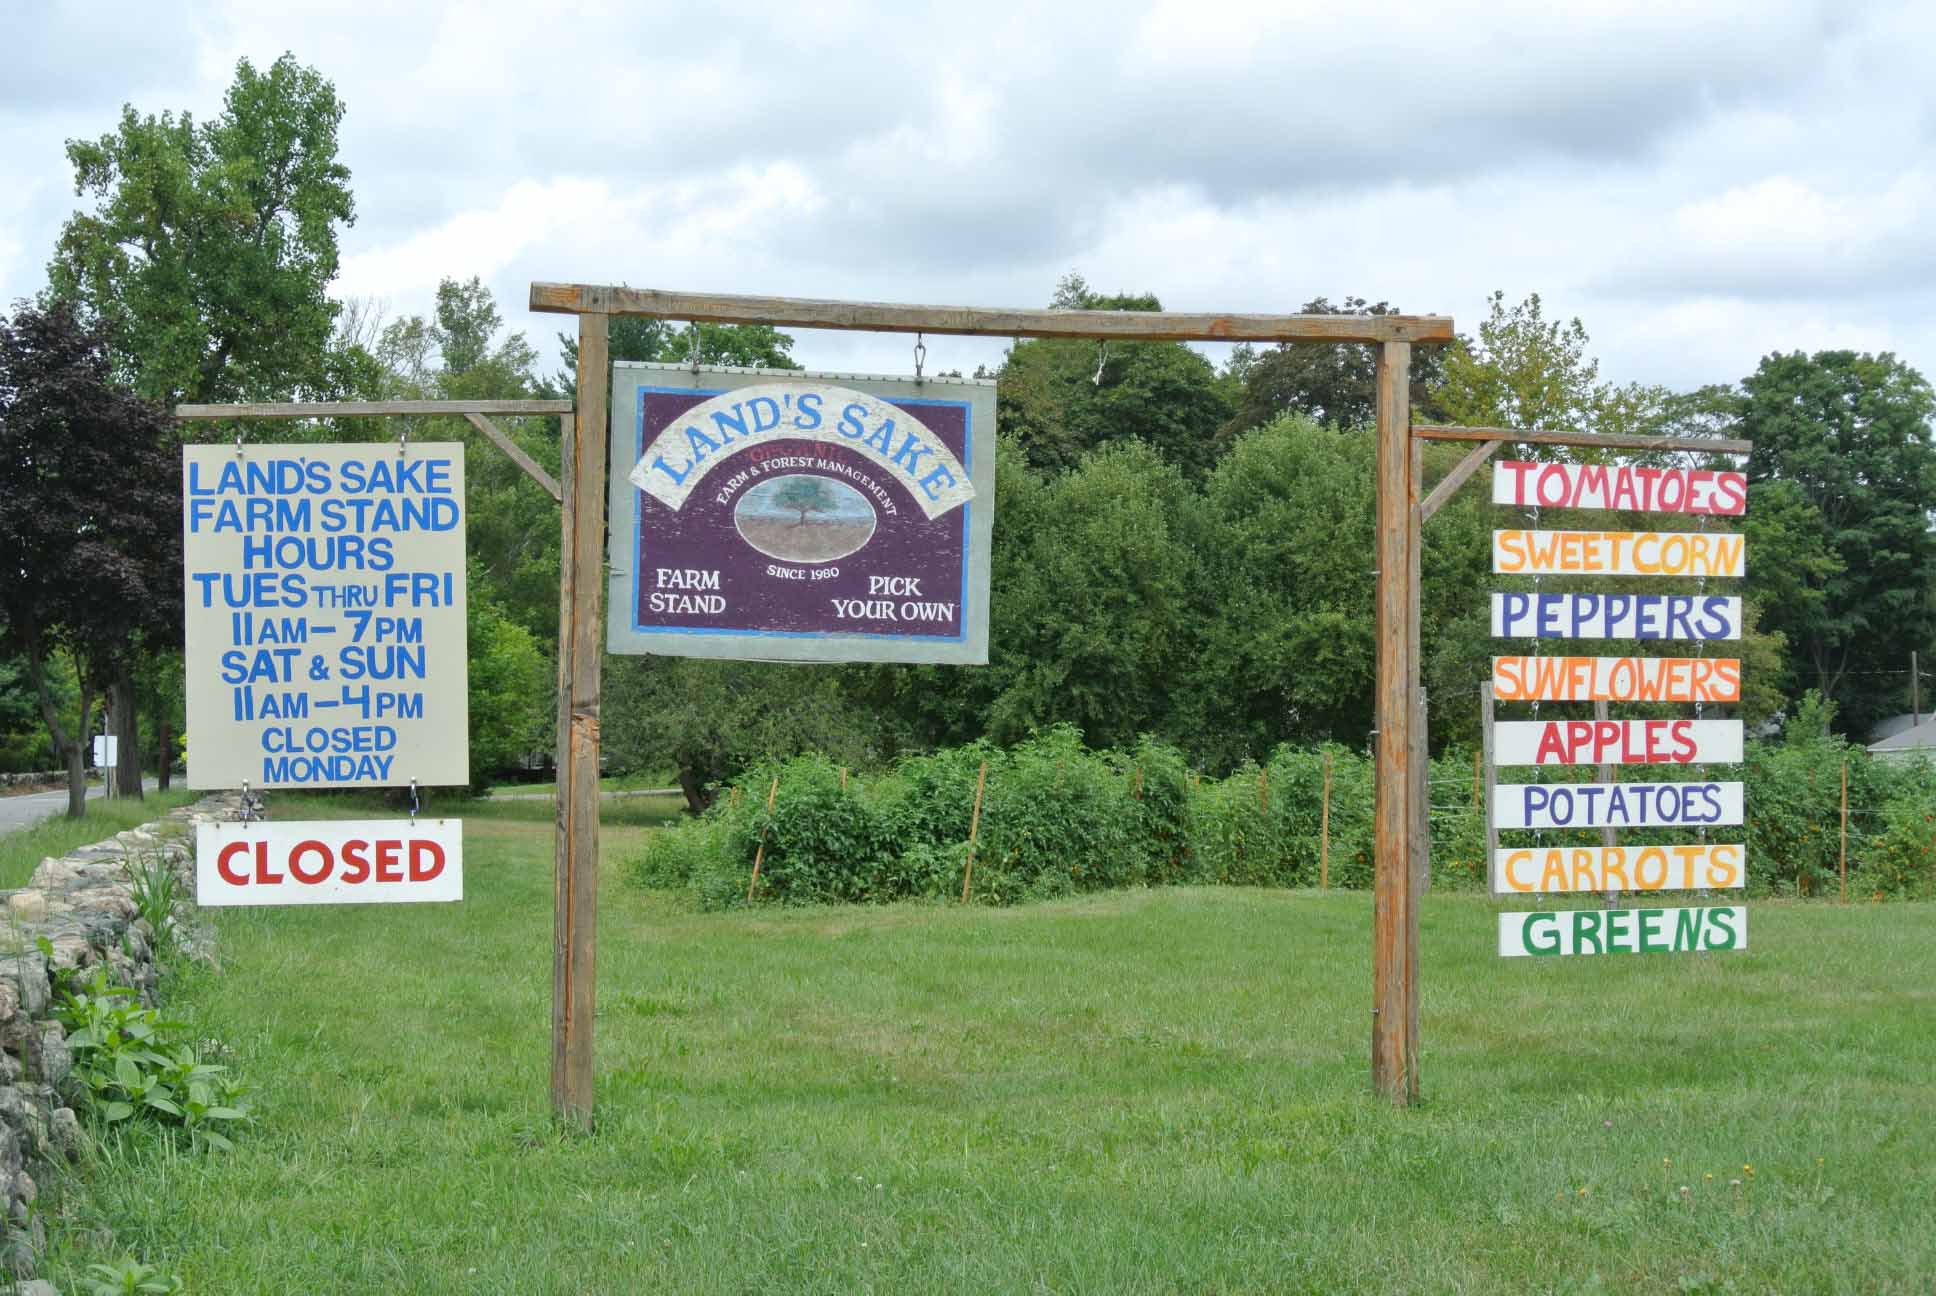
column 1623, row 931
column 1620, row 486
column 762, row 514
column 1546, row 870
column 1616, row 679
column 325, row 621
column 1616, row 742
column 1615, row 616
column 1617, row 553
column 1617, row 805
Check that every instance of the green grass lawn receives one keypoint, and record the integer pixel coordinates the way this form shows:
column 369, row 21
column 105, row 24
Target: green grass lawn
column 22, row 850
column 1146, row 1091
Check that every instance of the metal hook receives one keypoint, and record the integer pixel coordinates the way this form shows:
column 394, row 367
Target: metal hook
column 1102, row 358
column 403, row 439
column 238, row 445
column 695, row 345
column 416, row 803
column 920, row 355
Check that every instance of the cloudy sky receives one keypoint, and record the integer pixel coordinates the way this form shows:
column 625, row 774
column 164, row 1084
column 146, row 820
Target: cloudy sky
column 1701, row 183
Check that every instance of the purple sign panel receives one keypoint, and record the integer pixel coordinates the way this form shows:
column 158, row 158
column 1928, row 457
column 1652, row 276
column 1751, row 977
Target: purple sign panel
column 766, row 514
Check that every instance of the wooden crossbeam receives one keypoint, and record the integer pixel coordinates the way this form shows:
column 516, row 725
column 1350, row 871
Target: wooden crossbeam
column 1584, row 440
column 360, row 409
column 517, row 455
column 888, row 317
column 1455, row 479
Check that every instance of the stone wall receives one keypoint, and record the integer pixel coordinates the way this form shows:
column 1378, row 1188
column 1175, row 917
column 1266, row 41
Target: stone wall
column 82, row 906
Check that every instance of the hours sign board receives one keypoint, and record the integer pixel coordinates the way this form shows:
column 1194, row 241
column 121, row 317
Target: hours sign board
column 767, row 514
column 325, row 615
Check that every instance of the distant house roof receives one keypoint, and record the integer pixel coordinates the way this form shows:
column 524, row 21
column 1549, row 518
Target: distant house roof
column 1919, row 740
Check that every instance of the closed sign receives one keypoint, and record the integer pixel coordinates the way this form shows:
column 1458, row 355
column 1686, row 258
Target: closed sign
column 343, row 861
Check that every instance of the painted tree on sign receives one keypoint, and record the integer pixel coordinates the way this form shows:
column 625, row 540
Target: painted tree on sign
column 806, row 495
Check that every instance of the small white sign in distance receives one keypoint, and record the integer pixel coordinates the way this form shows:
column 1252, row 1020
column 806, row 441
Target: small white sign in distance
column 1617, row 805
column 1616, row 742
column 1561, row 932
column 340, row 861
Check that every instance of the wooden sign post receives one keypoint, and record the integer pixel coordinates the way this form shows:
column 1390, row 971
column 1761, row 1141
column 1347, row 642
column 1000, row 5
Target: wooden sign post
column 1401, row 777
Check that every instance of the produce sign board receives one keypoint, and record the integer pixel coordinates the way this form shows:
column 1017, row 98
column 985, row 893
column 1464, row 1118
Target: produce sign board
column 1618, row 805
column 1616, row 679
column 1617, row 553
column 1617, row 742
column 1550, row 932
column 1695, row 866
column 325, row 630
column 337, row 861
column 1615, row 616
column 1620, row 486
column 766, row 514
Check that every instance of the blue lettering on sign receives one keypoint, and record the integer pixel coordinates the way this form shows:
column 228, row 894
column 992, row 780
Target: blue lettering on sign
column 304, row 632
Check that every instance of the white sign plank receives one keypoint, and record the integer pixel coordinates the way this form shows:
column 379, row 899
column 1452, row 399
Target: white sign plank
column 1551, row 932
column 1615, row 616
column 326, row 635
column 1618, row 553
column 1620, row 486
column 1547, row 870
column 1617, row 805
column 337, row 861
column 1616, row 679
column 1617, row 742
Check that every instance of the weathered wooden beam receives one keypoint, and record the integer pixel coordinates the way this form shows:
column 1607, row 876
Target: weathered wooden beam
column 361, row 409
column 1584, row 440
column 517, row 455
column 1451, row 482
column 888, row 317
column 574, row 951
column 1394, row 959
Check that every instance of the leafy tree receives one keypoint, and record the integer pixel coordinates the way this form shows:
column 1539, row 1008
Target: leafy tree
column 89, row 521
column 1842, row 484
column 633, row 337
column 210, row 246
column 1326, row 382
column 510, row 690
column 1061, row 398
column 1526, row 371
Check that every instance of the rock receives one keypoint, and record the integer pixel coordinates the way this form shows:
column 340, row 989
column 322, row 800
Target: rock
column 9, row 1000
column 36, row 1287
column 27, row 973
column 64, row 1130
column 55, row 1060
column 27, row 906
column 24, row 1188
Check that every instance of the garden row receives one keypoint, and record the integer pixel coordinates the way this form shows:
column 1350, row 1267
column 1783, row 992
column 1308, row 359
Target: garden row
column 1056, row 817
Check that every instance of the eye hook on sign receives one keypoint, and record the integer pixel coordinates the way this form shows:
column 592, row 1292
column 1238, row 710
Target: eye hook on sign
column 238, row 443
column 920, row 355
column 1102, row 358
column 403, row 439
column 416, row 803
column 694, row 326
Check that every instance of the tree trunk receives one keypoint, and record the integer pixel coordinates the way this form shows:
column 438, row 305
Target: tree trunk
column 69, row 749
column 696, row 798
column 164, row 759
column 127, row 728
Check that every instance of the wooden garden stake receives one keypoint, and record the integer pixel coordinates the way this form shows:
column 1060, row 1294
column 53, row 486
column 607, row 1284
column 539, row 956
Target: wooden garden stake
column 843, row 778
column 1324, row 830
column 1136, row 785
column 974, row 826
column 1845, row 830
column 760, row 855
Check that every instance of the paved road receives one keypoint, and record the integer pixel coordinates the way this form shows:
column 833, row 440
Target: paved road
column 20, row 811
